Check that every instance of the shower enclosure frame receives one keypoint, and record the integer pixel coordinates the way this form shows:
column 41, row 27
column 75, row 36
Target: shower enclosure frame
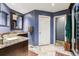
column 73, row 38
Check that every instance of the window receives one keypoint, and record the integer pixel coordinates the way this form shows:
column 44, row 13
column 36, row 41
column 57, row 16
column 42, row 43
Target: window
column 3, row 19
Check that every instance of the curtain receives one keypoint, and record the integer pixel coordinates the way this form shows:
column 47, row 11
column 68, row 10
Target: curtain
column 68, row 28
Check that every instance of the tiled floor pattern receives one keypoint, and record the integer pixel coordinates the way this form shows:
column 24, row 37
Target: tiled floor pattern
column 31, row 53
column 49, row 50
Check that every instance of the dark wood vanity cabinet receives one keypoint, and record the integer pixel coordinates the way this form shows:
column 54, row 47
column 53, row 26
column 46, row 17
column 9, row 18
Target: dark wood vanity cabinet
column 19, row 49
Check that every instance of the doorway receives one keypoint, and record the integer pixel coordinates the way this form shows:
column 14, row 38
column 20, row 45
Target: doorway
column 59, row 30
column 44, row 30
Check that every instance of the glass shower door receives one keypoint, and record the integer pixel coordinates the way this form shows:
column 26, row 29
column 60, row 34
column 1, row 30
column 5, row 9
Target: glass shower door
column 75, row 29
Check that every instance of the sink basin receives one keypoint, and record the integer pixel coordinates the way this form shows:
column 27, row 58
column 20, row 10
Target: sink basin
column 13, row 38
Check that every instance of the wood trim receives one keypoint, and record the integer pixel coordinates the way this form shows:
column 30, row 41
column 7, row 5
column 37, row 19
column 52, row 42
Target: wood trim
column 13, row 49
column 71, row 5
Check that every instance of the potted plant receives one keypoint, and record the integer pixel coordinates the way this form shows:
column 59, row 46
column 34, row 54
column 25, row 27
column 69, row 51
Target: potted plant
column 67, row 46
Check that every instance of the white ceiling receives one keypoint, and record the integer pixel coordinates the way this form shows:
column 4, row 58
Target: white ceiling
column 27, row 7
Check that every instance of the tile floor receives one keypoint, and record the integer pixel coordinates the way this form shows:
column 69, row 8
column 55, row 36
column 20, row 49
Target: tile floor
column 49, row 50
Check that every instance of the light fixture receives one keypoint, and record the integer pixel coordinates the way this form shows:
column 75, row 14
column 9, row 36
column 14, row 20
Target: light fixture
column 52, row 4
column 13, row 3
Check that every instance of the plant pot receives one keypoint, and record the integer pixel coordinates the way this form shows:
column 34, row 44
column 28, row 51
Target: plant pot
column 67, row 46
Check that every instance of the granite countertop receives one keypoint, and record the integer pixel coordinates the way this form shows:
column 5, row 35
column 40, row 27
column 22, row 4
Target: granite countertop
column 13, row 41
column 13, row 37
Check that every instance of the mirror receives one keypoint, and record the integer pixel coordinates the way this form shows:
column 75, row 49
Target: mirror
column 17, row 22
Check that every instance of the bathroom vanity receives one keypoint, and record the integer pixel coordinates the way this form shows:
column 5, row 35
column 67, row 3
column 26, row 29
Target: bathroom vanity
column 18, row 49
column 14, row 43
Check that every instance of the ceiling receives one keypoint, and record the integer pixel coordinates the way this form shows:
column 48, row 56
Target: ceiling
column 27, row 7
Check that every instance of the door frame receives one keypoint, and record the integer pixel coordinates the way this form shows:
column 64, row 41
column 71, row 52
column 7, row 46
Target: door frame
column 38, row 28
column 55, row 29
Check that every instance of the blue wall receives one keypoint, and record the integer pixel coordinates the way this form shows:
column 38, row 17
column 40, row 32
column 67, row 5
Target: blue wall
column 60, row 29
column 29, row 20
column 32, row 17
column 37, row 13
column 4, row 8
